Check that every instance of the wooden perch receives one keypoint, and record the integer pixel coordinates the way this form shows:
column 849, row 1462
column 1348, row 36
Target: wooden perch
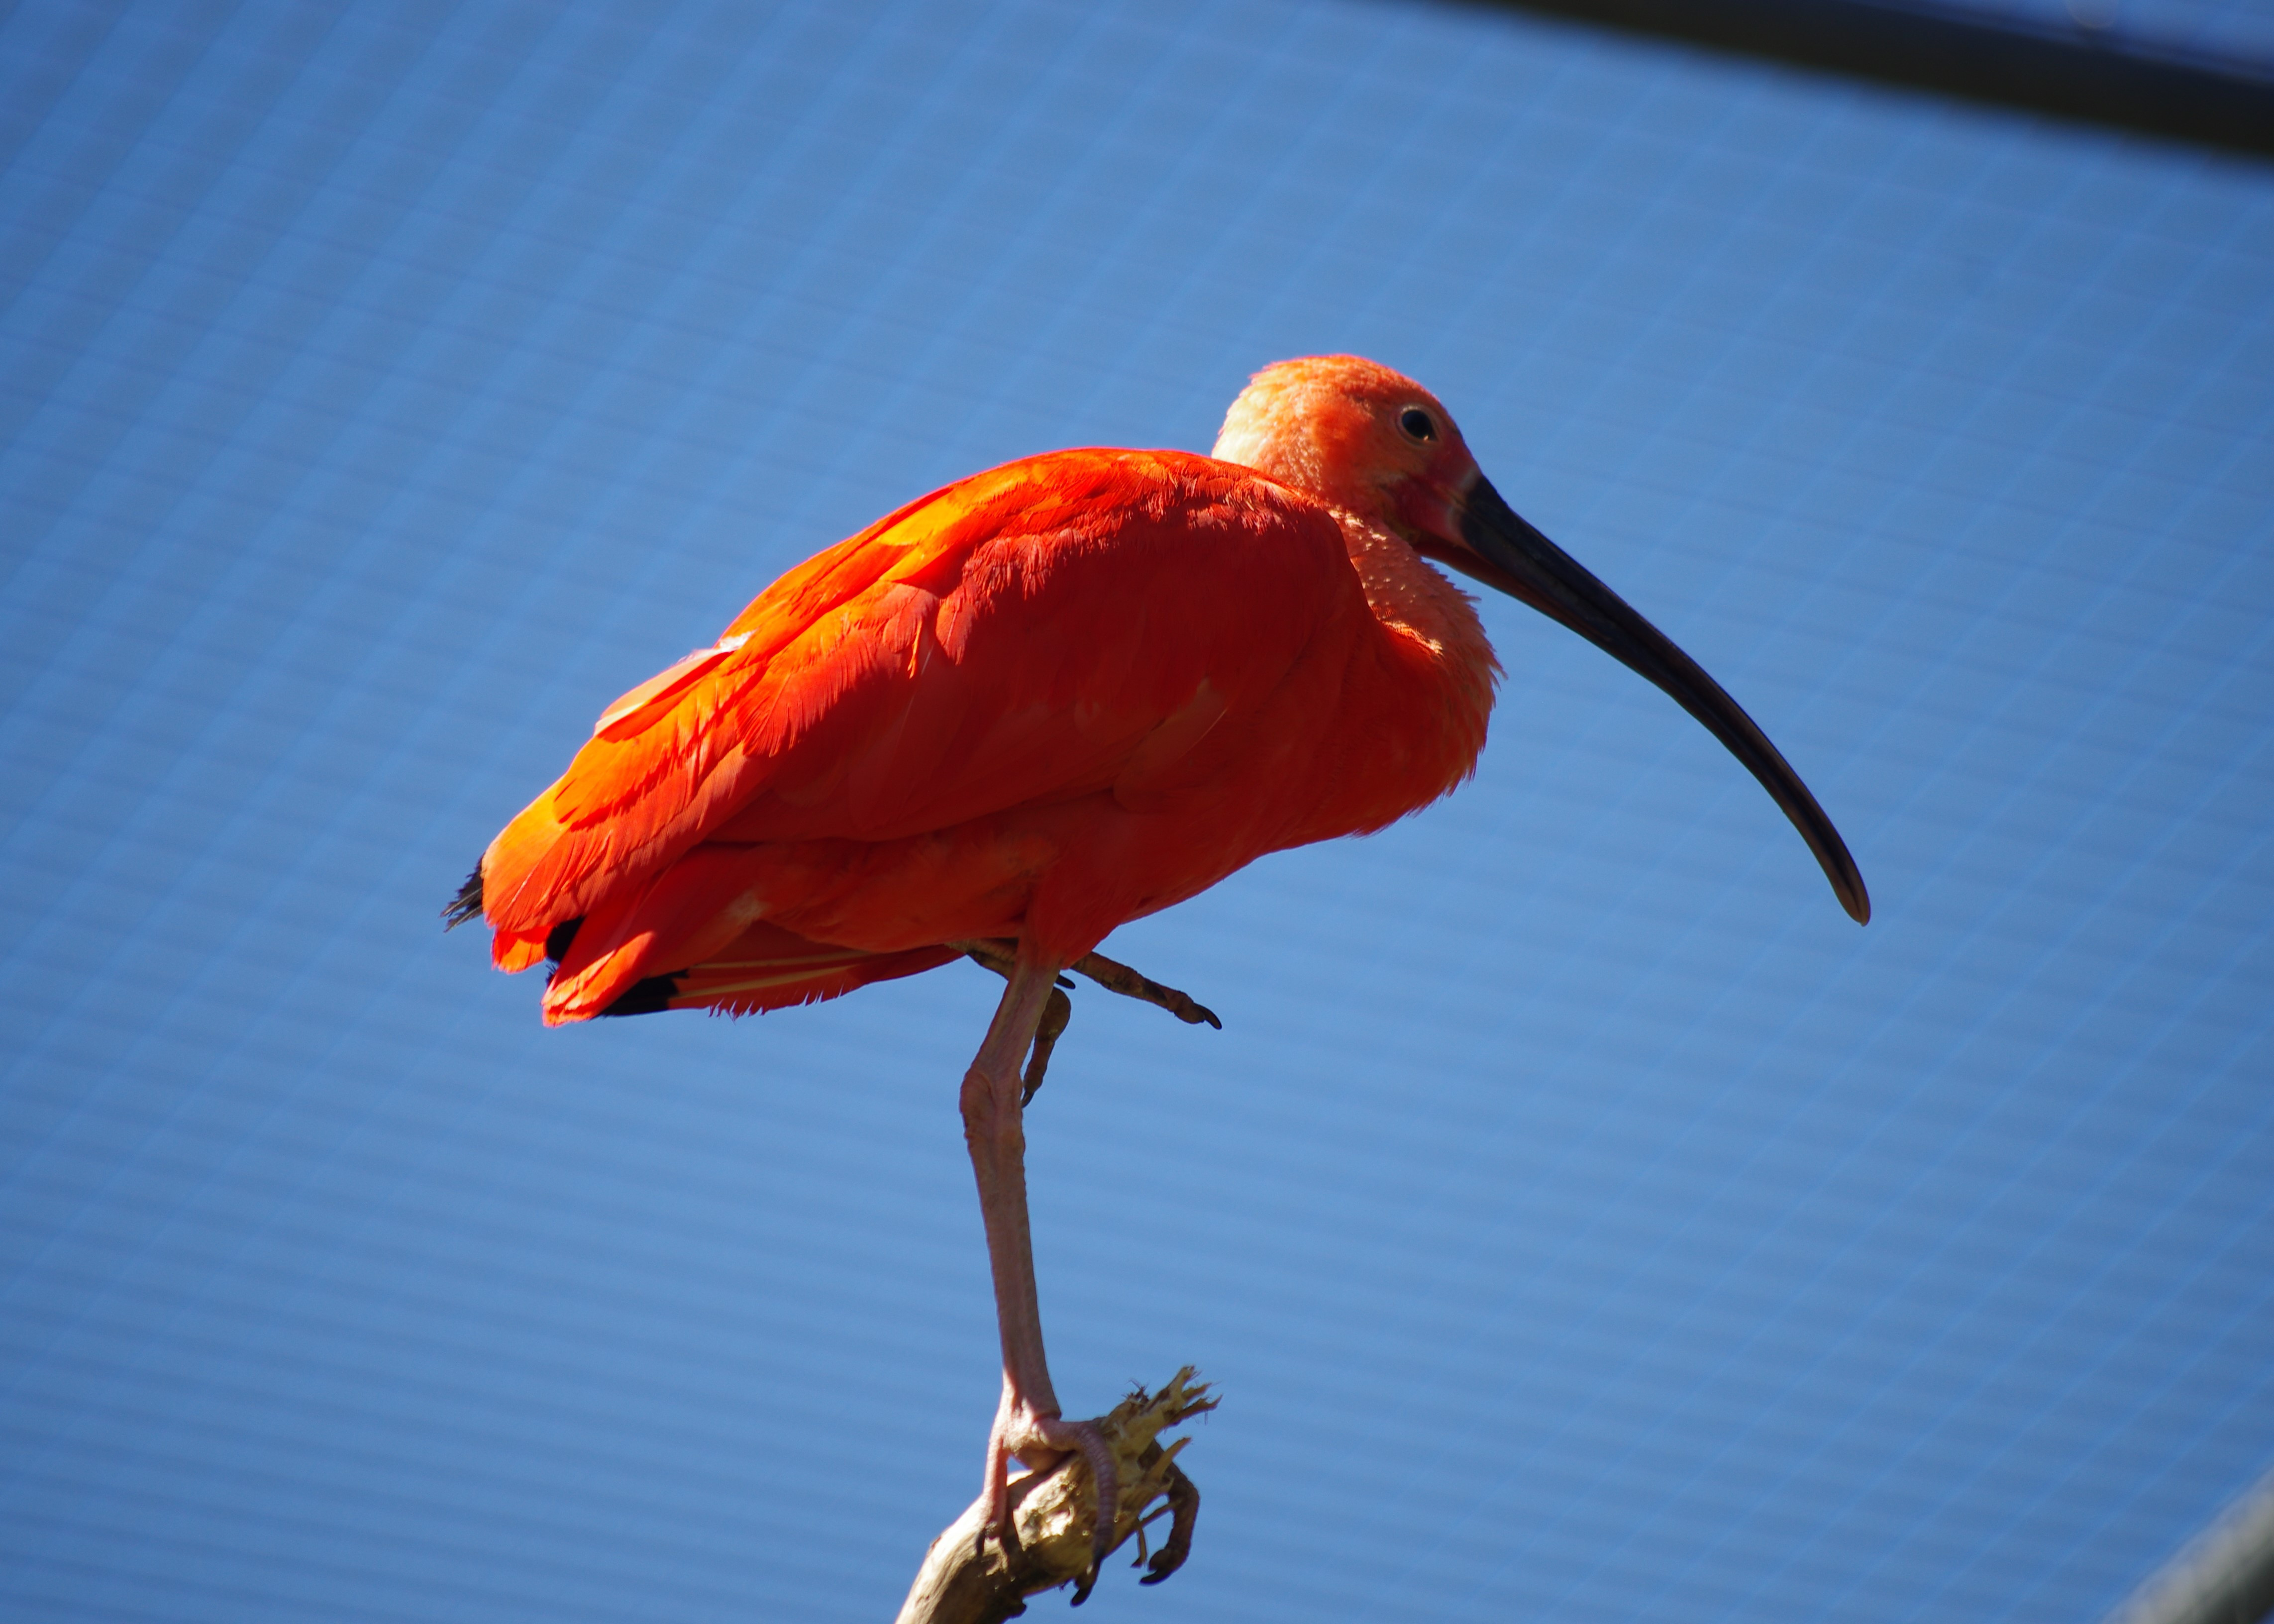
column 967, row 1579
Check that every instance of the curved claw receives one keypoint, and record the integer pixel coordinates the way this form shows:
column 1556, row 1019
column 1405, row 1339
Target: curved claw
column 1184, row 1512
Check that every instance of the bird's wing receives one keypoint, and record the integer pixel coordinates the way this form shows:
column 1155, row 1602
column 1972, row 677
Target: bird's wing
column 1051, row 627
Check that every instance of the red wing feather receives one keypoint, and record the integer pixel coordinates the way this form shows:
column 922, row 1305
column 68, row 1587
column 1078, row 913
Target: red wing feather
column 1026, row 636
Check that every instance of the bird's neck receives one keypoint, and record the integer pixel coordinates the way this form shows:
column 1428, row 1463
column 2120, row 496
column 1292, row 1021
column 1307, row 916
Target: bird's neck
column 1439, row 675
column 1438, row 669
column 1403, row 591
column 1415, row 601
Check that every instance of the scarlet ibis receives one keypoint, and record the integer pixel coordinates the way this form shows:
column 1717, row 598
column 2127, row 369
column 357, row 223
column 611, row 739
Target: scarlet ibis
column 1045, row 700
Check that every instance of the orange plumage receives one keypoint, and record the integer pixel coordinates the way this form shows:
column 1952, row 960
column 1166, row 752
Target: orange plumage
column 1045, row 700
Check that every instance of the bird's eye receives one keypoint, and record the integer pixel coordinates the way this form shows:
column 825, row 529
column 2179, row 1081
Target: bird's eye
column 1417, row 424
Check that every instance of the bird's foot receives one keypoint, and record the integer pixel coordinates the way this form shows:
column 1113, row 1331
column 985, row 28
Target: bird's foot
column 1000, row 956
column 1040, row 1442
column 1115, row 977
column 1047, row 1520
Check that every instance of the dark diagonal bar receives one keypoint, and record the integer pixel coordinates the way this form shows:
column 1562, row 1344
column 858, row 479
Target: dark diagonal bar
column 2101, row 75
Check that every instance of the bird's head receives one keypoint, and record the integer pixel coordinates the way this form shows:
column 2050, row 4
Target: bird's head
column 1371, row 441
column 1359, row 435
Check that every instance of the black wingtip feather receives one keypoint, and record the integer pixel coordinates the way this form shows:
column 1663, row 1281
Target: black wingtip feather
column 558, row 939
column 647, row 998
column 468, row 902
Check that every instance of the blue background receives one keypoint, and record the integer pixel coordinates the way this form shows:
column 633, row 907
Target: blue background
column 1582, row 1218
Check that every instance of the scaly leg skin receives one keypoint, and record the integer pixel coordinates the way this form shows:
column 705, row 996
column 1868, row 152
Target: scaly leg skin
column 1027, row 1424
column 1000, row 956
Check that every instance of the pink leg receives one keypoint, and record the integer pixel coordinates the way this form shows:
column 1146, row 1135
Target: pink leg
column 1027, row 1424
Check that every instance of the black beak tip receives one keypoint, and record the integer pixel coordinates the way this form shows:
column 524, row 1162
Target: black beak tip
column 1839, row 866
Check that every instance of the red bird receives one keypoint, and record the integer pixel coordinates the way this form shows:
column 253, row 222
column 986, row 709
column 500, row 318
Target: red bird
column 1044, row 701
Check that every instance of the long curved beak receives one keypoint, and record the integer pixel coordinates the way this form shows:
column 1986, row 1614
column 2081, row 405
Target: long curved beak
column 1503, row 552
